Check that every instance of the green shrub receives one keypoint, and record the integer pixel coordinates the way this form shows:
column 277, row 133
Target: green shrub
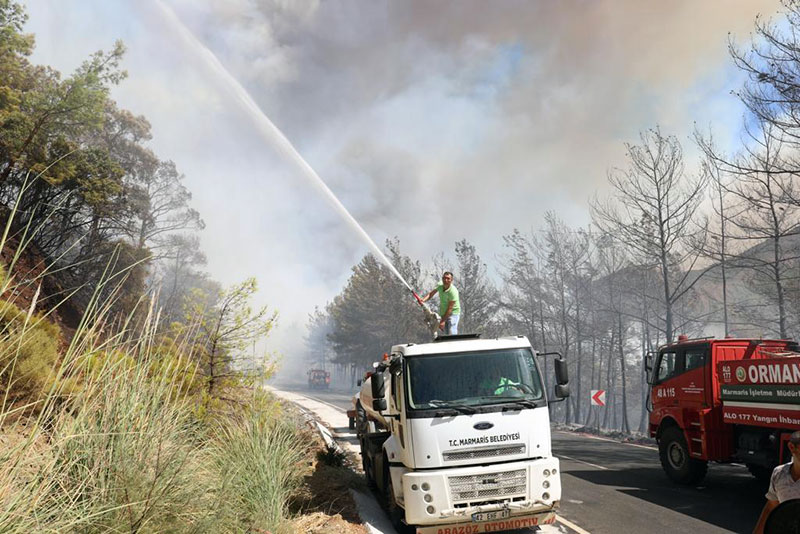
column 130, row 458
column 28, row 352
column 260, row 460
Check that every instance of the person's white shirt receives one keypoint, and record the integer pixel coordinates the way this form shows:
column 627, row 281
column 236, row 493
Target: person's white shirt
column 781, row 485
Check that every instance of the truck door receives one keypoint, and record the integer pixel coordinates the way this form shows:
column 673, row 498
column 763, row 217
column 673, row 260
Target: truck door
column 690, row 384
column 399, row 422
column 663, row 390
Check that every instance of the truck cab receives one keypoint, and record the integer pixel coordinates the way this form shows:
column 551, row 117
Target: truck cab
column 319, row 379
column 457, row 436
column 710, row 400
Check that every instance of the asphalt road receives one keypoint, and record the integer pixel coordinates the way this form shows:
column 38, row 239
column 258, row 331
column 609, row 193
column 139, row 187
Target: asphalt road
column 610, row 488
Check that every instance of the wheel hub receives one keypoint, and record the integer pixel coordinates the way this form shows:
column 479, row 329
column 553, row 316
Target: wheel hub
column 676, row 456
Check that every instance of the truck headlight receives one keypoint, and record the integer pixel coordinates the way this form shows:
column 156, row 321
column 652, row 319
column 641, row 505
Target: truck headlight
column 545, row 496
column 431, row 509
column 428, row 497
column 546, row 472
column 545, row 484
column 425, row 486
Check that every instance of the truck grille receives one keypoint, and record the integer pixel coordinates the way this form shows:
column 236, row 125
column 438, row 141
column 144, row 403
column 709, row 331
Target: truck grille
column 487, row 486
column 483, row 452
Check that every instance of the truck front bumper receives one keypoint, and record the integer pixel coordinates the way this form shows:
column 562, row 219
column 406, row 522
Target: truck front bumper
column 499, row 525
column 528, row 490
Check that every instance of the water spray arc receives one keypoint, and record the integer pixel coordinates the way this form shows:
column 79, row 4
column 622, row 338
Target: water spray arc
column 272, row 134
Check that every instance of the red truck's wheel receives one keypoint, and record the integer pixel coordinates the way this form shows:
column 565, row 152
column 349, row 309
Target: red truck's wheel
column 675, row 458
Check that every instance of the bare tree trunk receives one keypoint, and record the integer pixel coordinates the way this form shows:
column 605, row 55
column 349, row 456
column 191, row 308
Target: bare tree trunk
column 609, row 392
column 625, row 426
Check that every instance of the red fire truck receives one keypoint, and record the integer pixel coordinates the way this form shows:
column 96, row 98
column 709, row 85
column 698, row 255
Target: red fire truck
column 723, row 400
column 319, row 379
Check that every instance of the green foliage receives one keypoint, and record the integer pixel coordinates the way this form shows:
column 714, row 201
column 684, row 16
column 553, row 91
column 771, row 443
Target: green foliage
column 115, row 443
column 224, row 330
column 129, row 458
column 260, row 459
column 480, row 300
column 129, row 453
column 75, row 165
column 28, row 352
column 375, row 310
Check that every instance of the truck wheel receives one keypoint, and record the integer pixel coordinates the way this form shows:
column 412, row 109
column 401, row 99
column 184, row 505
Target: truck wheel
column 361, row 419
column 367, row 467
column 675, row 459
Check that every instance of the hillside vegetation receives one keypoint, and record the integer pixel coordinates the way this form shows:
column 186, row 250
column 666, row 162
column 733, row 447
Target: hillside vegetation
column 128, row 402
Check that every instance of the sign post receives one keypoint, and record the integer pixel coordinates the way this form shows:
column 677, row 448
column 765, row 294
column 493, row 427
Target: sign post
column 597, row 398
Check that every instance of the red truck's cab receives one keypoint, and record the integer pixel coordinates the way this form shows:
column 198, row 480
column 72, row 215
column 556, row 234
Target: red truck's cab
column 723, row 400
column 319, row 379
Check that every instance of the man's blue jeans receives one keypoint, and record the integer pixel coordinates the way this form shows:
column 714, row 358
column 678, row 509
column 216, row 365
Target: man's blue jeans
column 451, row 325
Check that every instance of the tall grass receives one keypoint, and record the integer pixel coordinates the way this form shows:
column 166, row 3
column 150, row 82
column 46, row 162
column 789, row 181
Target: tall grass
column 260, row 460
column 112, row 442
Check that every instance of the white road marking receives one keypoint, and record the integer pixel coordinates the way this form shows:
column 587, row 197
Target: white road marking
column 570, row 524
column 590, row 436
column 583, row 462
column 326, row 403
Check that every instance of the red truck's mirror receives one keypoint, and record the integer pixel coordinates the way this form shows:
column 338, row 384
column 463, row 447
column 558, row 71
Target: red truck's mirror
column 648, row 366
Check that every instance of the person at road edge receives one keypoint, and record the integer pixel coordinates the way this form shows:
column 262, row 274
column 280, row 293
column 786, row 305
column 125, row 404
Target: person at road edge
column 449, row 304
column 784, row 484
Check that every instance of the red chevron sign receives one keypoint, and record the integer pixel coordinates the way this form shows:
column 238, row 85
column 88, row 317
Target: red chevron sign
column 598, row 397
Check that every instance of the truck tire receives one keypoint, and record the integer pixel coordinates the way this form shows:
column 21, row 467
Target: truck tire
column 675, row 459
column 361, row 419
column 366, row 465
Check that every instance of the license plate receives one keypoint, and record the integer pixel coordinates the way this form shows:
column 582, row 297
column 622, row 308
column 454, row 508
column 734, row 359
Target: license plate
column 491, row 516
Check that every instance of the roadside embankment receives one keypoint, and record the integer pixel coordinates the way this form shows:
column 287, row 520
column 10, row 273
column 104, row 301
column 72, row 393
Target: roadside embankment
column 334, row 421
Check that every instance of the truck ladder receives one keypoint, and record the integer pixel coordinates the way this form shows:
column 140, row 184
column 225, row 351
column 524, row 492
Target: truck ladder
column 695, row 432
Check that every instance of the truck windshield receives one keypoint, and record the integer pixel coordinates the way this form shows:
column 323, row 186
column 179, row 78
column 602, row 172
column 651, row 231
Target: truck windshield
column 473, row 378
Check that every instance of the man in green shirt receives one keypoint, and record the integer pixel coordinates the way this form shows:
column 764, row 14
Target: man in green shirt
column 449, row 304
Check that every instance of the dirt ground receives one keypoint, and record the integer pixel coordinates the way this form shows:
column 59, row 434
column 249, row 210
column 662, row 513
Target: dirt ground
column 323, row 503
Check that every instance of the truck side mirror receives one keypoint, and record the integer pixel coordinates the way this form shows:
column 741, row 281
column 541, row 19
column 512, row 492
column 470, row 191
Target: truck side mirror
column 562, row 375
column 648, row 367
column 562, row 391
column 378, row 386
column 379, row 405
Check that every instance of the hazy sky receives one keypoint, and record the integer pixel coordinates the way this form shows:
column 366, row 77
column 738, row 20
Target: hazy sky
column 431, row 121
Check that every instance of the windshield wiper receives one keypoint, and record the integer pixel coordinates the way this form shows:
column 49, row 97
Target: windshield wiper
column 435, row 403
column 528, row 403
